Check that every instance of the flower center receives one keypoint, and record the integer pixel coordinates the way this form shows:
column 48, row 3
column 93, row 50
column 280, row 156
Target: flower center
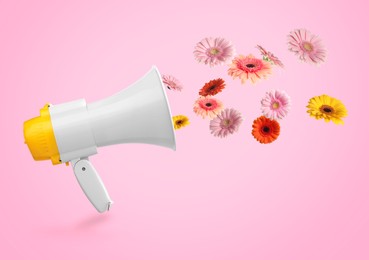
column 308, row 46
column 266, row 129
column 212, row 87
column 275, row 105
column 250, row 65
column 208, row 104
column 226, row 122
column 326, row 109
column 214, row 51
column 179, row 122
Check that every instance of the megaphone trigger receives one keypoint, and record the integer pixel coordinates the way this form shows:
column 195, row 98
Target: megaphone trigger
column 91, row 184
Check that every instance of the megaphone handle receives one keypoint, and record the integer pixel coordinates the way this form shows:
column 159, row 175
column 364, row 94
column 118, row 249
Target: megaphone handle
column 91, row 184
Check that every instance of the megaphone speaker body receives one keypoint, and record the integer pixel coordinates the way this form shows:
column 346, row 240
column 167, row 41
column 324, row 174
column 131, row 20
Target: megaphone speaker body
column 71, row 132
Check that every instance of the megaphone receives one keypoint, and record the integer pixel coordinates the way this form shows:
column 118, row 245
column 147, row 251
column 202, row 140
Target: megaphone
column 71, row 132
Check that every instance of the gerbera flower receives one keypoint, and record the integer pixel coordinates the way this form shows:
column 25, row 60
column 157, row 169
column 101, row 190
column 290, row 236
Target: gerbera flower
column 207, row 107
column 265, row 130
column 227, row 122
column 213, row 51
column 275, row 104
column 327, row 108
column 180, row 121
column 249, row 68
column 172, row 83
column 212, row 88
column 307, row 46
column 268, row 56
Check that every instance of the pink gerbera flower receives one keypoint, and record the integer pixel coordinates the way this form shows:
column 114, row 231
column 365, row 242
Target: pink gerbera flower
column 276, row 104
column 226, row 123
column 172, row 83
column 213, row 51
column 207, row 107
column 268, row 56
column 307, row 46
column 249, row 68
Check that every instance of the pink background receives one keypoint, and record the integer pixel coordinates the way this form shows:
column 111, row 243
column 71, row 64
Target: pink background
column 303, row 197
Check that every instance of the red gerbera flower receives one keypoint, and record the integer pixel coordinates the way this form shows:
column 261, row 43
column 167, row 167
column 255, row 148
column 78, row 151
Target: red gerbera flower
column 212, row 88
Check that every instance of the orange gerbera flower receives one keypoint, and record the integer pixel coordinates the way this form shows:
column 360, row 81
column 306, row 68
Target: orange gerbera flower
column 265, row 130
column 212, row 88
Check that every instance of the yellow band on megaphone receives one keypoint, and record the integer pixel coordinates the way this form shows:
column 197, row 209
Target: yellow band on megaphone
column 40, row 139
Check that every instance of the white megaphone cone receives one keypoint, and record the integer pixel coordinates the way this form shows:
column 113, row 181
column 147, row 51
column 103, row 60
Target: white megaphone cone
column 71, row 132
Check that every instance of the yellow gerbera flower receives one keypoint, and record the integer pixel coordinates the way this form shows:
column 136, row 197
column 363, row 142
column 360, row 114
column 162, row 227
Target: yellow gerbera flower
column 327, row 108
column 180, row 121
